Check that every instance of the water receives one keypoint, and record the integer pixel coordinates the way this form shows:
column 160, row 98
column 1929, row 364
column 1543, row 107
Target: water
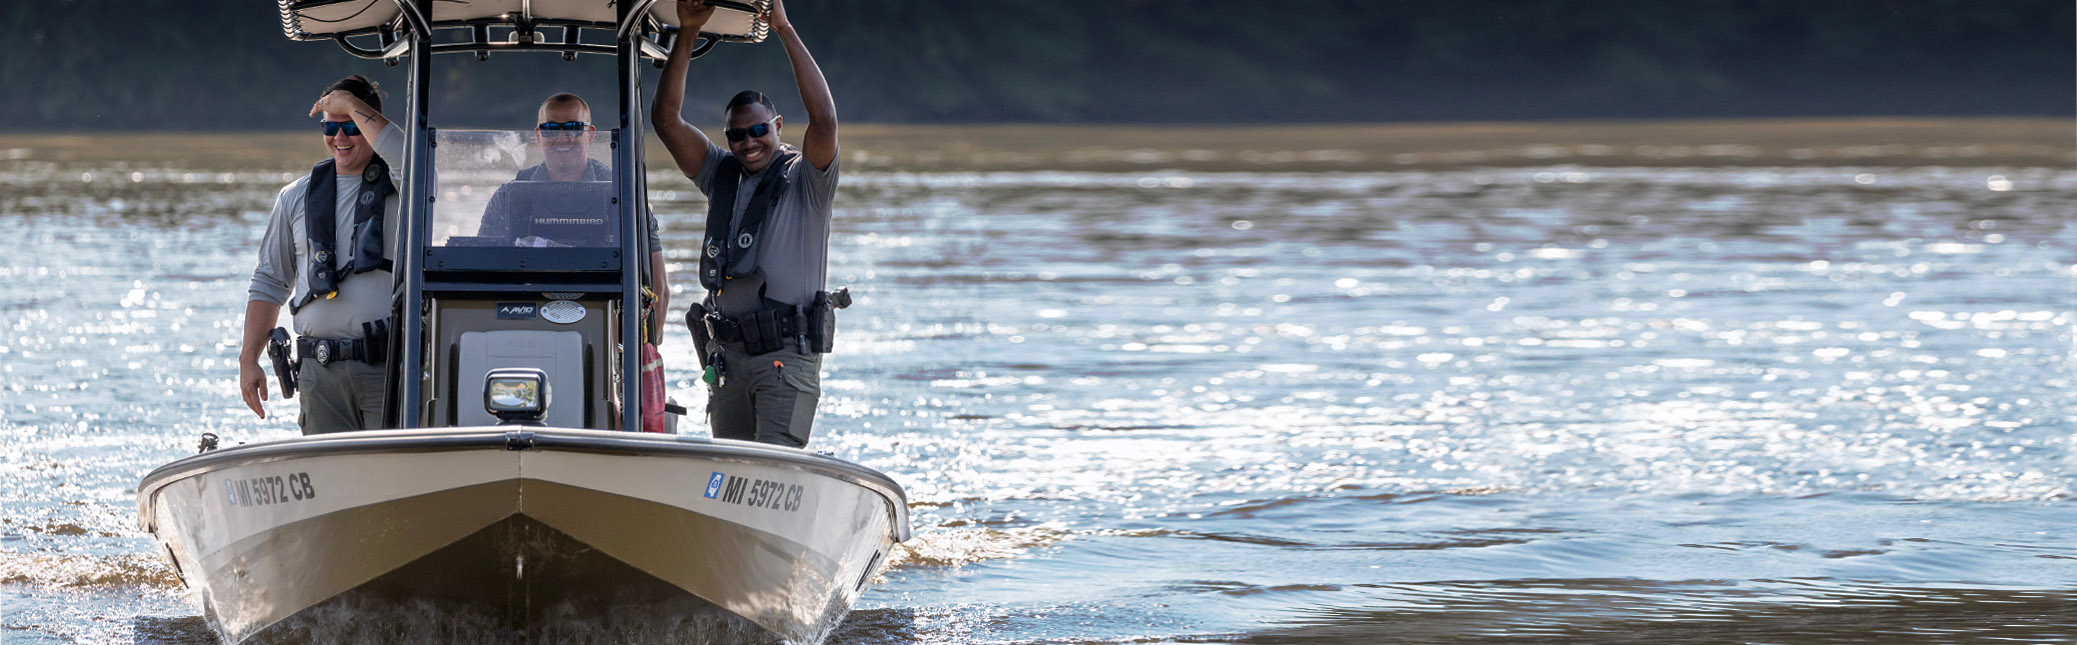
column 1192, row 395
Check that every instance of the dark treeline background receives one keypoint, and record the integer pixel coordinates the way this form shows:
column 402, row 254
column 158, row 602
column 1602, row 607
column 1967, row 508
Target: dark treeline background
column 183, row 64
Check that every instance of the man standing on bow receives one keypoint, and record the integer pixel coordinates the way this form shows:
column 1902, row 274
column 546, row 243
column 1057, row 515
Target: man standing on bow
column 327, row 253
column 767, row 319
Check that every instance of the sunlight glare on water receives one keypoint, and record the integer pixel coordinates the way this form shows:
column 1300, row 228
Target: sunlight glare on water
column 1253, row 405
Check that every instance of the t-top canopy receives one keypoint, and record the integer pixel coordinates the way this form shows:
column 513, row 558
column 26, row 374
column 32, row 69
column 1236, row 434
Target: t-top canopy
column 734, row 20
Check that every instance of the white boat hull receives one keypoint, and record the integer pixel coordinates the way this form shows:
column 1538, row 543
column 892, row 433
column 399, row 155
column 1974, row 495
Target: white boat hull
column 534, row 535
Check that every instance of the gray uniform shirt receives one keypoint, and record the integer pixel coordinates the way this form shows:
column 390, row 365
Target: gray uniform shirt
column 285, row 251
column 793, row 252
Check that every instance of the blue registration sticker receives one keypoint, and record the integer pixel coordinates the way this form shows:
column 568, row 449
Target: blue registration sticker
column 231, row 493
column 714, row 485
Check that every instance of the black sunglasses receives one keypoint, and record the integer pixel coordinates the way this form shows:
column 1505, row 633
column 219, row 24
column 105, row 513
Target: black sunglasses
column 759, row 130
column 565, row 127
column 334, row 127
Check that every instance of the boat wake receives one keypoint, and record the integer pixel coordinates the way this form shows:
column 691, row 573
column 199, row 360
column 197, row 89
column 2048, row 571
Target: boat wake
column 87, row 571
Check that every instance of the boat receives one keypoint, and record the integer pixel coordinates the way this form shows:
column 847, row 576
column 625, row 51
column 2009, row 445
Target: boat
column 517, row 501
column 518, row 534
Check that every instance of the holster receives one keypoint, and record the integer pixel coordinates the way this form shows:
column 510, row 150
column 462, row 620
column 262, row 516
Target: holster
column 822, row 318
column 702, row 342
column 284, row 366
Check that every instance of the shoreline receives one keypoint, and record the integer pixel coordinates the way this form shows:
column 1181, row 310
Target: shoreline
column 1856, row 141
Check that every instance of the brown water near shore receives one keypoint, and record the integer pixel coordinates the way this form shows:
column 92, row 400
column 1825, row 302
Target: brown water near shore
column 1879, row 142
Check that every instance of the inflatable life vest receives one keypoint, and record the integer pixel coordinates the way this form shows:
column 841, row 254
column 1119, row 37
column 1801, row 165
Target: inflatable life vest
column 730, row 252
column 320, row 224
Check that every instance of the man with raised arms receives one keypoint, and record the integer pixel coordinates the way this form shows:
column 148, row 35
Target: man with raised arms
column 764, row 260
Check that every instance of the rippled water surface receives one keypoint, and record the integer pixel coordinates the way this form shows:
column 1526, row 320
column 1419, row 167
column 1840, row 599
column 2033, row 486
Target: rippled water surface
column 1577, row 400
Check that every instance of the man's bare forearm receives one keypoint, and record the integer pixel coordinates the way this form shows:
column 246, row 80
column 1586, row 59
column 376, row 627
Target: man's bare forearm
column 820, row 141
column 670, row 86
column 260, row 317
column 364, row 116
column 814, row 89
column 687, row 145
column 369, row 120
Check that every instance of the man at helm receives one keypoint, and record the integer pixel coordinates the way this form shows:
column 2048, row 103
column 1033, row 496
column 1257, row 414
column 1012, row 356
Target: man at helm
column 764, row 260
column 327, row 254
column 565, row 134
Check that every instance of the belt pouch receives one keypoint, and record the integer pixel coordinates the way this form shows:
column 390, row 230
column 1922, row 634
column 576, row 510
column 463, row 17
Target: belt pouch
column 770, row 336
column 753, row 335
column 375, row 341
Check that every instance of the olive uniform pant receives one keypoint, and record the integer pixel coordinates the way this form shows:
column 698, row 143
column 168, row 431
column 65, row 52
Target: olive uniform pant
column 769, row 397
column 340, row 397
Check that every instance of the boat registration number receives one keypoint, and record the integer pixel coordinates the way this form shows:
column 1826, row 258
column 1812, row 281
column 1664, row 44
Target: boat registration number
column 274, row 489
column 756, row 493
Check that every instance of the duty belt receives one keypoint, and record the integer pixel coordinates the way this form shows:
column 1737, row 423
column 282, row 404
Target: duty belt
column 758, row 332
column 324, row 351
column 811, row 329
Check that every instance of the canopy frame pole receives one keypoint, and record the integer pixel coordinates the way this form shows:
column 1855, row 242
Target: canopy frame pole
column 406, row 407
column 634, row 232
